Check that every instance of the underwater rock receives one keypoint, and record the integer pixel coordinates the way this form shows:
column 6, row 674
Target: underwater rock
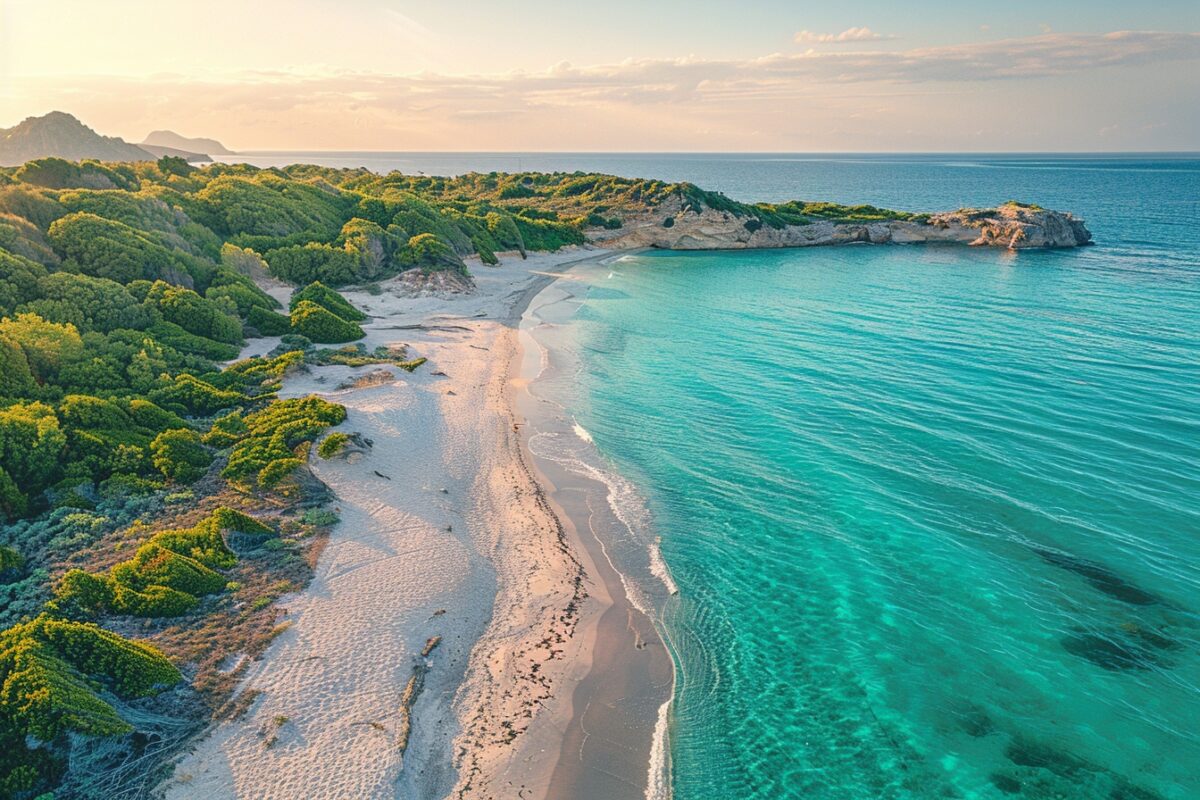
column 1101, row 578
column 1005, row 783
column 1113, row 653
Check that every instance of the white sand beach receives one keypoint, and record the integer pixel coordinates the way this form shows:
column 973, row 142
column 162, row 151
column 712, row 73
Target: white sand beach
column 444, row 533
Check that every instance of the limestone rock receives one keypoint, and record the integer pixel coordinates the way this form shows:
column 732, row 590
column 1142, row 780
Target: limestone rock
column 676, row 226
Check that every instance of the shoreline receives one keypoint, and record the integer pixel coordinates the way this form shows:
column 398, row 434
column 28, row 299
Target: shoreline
column 448, row 529
column 614, row 745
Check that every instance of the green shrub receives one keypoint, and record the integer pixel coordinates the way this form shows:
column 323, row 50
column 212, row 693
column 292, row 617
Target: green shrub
column 333, row 444
column 311, row 262
column 267, row 322
column 277, row 471
column 540, row 234
column 431, row 254
column 10, row 559
column 322, row 295
column 321, row 325
column 320, row 517
column 180, row 455
column 52, row 661
column 191, row 395
column 274, row 433
column 167, row 575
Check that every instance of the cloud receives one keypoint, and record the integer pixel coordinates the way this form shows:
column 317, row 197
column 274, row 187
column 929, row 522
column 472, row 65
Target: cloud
column 848, row 35
column 654, row 101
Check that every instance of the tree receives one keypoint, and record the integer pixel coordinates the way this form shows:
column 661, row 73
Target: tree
column 193, row 313
column 31, row 446
column 90, row 304
column 48, row 346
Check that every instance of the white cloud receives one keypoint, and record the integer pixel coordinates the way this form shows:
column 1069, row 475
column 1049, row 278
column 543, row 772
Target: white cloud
column 848, row 35
column 643, row 102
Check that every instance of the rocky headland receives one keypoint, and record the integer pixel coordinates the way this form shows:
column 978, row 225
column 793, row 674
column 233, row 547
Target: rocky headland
column 678, row 224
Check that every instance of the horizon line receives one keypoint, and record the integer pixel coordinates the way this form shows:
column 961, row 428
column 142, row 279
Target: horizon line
column 1196, row 152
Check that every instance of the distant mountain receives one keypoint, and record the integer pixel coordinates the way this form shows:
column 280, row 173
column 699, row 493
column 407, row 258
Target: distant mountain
column 158, row 151
column 171, row 139
column 61, row 135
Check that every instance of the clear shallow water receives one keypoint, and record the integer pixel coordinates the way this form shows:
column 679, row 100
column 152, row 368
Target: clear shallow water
column 933, row 512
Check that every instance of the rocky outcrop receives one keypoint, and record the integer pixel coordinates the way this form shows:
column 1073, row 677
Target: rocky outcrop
column 675, row 225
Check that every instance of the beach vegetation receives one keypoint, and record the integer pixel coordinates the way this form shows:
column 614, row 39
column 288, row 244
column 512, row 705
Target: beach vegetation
column 801, row 213
column 322, row 295
column 321, row 325
column 180, row 455
column 58, row 676
column 167, row 575
column 333, row 444
column 267, row 322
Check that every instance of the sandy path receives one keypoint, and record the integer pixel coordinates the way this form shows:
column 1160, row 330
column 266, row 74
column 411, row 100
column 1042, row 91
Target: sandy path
column 442, row 525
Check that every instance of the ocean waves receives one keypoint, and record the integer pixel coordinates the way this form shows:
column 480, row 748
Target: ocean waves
column 931, row 514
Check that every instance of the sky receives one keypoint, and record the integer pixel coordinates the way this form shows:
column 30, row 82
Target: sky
column 618, row 75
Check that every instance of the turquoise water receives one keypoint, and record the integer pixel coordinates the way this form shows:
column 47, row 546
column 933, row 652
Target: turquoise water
column 934, row 513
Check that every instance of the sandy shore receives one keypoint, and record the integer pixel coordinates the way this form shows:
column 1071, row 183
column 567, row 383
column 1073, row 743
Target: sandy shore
column 446, row 532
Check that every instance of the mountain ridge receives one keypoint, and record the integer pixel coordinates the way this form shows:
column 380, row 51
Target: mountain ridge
column 196, row 144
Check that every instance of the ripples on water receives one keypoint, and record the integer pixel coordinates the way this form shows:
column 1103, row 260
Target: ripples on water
column 933, row 512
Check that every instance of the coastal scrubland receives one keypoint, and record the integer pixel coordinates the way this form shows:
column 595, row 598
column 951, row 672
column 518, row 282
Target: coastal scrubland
column 154, row 488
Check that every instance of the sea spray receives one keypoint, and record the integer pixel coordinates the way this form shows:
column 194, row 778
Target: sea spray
column 581, row 432
column 658, row 780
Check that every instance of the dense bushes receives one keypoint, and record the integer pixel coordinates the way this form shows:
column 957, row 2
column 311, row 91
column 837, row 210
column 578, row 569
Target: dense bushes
column 801, row 213
column 538, row 234
column 52, row 671
column 32, row 444
column 272, row 435
column 196, row 315
column 321, row 325
column 328, row 299
column 333, row 444
column 20, row 281
column 105, row 248
column 312, row 261
column 179, row 455
column 265, row 210
column 267, row 322
column 90, row 304
column 56, row 173
column 324, row 316
column 167, row 575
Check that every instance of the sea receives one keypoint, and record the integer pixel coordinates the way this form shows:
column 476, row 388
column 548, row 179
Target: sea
column 915, row 521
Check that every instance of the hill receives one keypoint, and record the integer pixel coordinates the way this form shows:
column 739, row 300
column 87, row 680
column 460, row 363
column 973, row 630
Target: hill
column 192, row 145
column 60, row 135
column 158, row 151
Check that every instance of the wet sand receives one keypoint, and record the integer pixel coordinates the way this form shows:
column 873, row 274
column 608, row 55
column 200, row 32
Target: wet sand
column 607, row 744
column 546, row 681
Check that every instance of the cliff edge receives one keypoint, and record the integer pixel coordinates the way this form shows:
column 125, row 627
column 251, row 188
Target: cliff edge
column 680, row 224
